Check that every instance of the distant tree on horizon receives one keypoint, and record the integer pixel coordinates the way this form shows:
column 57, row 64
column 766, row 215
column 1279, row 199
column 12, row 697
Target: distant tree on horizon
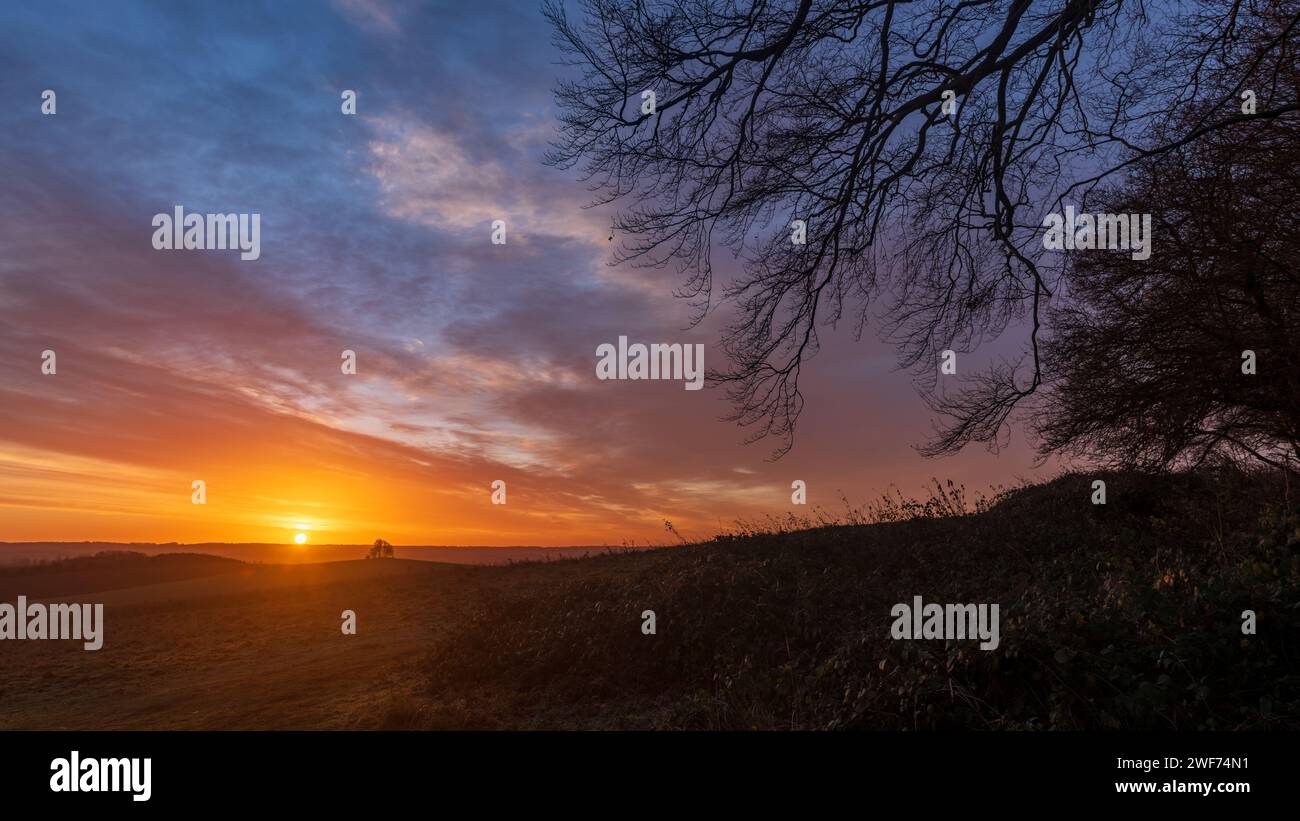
column 380, row 550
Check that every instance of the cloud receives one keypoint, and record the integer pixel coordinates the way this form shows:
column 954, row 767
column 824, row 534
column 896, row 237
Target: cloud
column 379, row 16
column 475, row 362
column 428, row 176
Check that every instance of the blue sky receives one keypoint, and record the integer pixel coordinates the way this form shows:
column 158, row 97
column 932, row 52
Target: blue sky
column 476, row 361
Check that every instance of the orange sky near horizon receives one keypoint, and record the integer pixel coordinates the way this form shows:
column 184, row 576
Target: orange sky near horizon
column 268, row 475
column 121, row 470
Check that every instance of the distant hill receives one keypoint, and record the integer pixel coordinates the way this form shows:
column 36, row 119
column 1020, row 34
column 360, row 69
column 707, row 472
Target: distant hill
column 107, row 570
column 12, row 553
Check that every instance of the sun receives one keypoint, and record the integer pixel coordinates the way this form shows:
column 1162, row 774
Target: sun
column 301, row 538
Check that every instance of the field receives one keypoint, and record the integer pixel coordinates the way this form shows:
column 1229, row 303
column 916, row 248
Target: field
column 1122, row 615
column 239, row 646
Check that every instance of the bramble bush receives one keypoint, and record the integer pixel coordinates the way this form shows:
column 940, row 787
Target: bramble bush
column 1123, row 615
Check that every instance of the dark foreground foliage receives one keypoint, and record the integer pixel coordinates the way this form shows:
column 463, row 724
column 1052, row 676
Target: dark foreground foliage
column 1123, row 615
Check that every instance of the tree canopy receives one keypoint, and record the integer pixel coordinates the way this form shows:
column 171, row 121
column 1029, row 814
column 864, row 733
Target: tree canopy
column 922, row 143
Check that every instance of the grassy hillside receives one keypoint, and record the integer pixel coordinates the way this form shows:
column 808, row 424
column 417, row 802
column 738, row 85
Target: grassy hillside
column 260, row 648
column 1126, row 615
column 109, row 570
column 1123, row 615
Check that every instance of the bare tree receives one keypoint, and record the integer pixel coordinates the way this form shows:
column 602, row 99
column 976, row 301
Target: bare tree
column 922, row 143
column 1191, row 353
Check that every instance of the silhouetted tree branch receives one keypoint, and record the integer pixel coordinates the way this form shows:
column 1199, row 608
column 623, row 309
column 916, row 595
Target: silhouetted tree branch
column 832, row 113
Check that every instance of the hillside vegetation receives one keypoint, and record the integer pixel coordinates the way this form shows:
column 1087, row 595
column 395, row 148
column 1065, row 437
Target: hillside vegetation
column 1123, row 615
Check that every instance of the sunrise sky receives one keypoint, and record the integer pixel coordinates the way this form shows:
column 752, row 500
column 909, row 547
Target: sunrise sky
column 475, row 362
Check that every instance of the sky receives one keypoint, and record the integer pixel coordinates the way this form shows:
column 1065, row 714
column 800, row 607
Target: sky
column 475, row 362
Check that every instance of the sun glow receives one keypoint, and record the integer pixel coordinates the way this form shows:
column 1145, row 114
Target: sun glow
column 301, row 538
